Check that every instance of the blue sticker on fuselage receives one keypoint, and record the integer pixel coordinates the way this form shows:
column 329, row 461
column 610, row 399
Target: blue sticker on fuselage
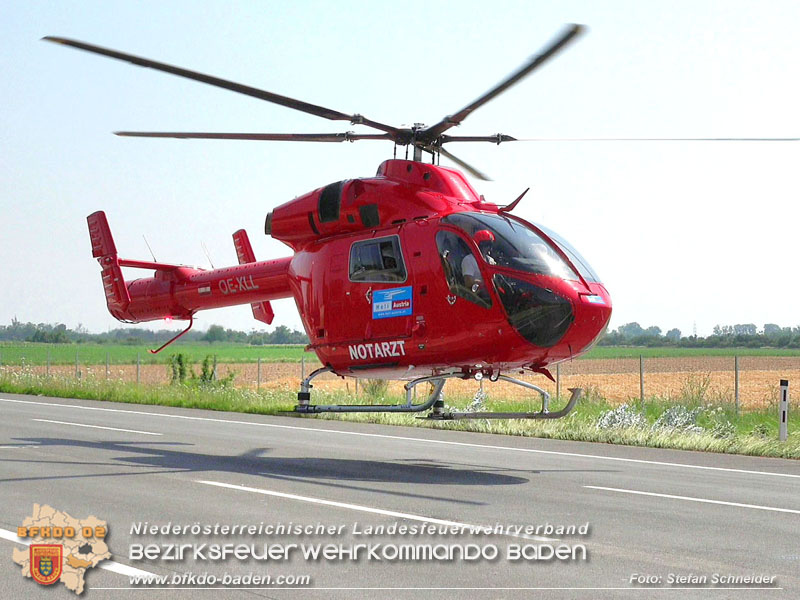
column 394, row 302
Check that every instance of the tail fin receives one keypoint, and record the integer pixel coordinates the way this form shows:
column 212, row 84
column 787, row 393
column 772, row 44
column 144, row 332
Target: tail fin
column 244, row 251
column 262, row 311
column 105, row 251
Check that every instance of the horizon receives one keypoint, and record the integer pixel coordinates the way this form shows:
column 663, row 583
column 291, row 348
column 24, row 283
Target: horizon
column 121, row 327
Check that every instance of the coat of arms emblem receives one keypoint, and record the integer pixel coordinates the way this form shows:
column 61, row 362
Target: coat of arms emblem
column 46, row 562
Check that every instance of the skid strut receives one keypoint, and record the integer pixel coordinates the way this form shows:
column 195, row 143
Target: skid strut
column 304, row 398
column 543, row 414
column 434, row 401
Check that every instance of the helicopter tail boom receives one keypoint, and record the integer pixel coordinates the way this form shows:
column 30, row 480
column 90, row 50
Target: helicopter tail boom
column 178, row 292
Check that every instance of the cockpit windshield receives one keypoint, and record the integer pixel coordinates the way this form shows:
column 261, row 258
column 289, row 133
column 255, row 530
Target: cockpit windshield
column 580, row 263
column 508, row 243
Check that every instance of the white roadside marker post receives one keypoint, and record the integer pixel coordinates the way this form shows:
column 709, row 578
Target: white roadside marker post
column 783, row 408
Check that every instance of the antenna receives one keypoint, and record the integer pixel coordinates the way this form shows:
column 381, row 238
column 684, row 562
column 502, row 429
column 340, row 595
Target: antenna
column 149, row 248
column 208, row 255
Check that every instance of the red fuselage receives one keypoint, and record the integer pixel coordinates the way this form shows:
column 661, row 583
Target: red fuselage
column 402, row 275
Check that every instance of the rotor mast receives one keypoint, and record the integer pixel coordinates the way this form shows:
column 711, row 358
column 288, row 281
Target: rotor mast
column 417, row 148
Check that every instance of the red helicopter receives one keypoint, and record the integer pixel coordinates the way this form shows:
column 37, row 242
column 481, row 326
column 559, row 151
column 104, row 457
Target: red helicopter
column 406, row 275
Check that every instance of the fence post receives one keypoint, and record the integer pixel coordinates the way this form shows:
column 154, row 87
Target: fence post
column 302, row 368
column 215, row 368
column 106, row 365
column 784, row 411
column 258, row 376
column 138, row 367
column 77, row 373
column 736, row 382
column 641, row 378
column 47, row 369
column 558, row 381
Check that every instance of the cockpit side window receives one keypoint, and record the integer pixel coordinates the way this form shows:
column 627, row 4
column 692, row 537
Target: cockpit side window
column 461, row 269
column 377, row 260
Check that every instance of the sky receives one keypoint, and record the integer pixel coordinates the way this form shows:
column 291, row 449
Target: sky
column 683, row 234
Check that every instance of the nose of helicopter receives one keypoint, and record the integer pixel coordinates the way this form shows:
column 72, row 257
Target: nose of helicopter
column 566, row 319
column 592, row 314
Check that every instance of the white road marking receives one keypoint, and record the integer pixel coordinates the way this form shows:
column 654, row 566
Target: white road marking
column 96, row 426
column 108, row 565
column 416, row 439
column 368, row 509
column 692, row 499
column 15, row 447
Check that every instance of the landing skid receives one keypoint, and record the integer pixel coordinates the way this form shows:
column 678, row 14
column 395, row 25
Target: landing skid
column 434, row 401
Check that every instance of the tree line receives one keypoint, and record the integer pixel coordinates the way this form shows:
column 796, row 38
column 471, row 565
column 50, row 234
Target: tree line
column 59, row 333
column 746, row 335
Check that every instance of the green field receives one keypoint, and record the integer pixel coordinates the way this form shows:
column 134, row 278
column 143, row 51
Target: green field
column 118, row 354
column 670, row 352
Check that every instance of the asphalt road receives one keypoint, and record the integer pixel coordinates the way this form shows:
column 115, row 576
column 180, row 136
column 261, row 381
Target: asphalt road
column 654, row 514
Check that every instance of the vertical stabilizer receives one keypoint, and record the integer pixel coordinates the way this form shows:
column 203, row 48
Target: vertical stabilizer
column 262, row 311
column 244, row 251
column 105, row 251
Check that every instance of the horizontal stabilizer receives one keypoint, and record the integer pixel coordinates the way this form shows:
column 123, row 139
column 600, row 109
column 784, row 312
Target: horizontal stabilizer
column 146, row 264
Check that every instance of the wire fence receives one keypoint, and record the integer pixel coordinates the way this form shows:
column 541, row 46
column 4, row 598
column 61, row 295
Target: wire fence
column 749, row 382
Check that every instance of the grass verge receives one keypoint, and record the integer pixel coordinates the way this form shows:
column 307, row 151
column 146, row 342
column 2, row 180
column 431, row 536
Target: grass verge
column 32, row 353
column 689, row 424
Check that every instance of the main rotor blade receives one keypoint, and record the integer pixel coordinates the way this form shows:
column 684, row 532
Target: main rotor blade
column 464, row 165
column 498, row 138
column 319, row 111
column 431, row 133
column 709, row 139
column 274, row 137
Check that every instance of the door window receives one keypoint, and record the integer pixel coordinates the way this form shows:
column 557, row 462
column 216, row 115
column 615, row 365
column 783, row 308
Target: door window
column 377, row 260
